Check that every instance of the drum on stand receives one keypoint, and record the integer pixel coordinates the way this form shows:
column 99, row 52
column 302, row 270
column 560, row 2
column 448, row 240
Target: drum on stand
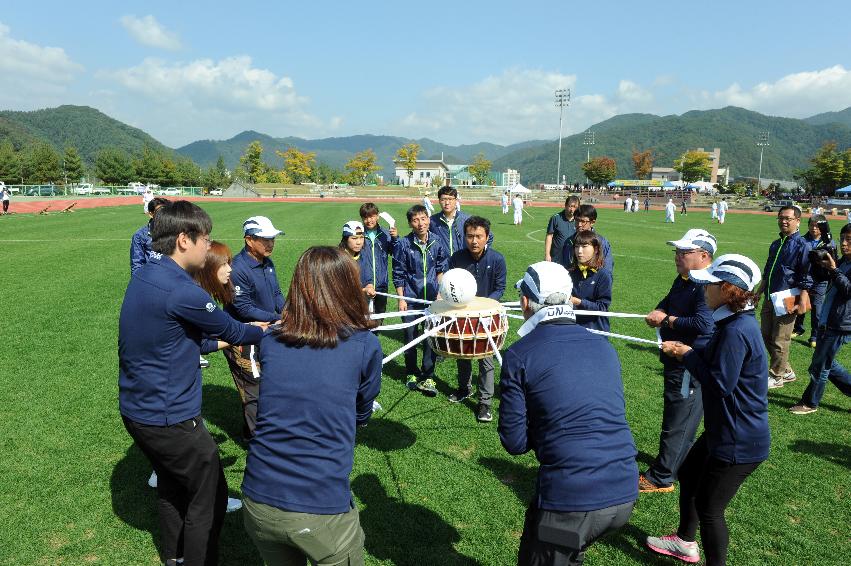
column 466, row 337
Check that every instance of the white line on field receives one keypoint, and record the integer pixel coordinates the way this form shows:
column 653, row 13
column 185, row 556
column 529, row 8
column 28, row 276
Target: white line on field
column 529, row 235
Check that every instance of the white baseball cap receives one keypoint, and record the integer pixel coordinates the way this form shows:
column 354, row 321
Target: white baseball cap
column 352, row 227
column 696, row 239
column 735, row 269
column 260, row 227
column 544, row 278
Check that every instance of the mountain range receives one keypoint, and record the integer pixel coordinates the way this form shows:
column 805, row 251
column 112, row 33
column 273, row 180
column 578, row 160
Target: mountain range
column 734, row 130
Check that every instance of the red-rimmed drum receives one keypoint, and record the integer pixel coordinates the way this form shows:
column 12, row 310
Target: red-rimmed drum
column 474, row 330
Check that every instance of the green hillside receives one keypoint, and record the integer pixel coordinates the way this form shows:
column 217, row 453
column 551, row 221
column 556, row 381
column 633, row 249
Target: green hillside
column 842, row 117
column 734, row 130
column 337, row 151
column 86, row 128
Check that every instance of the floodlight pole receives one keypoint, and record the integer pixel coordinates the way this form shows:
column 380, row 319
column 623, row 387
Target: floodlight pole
column 762, row 143
column 588, row 142
column 562, row 99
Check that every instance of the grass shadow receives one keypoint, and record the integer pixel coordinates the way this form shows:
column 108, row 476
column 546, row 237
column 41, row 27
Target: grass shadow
column 518, row 477
column 629, row 539
column 405, row 533
column 133, row 501
column 645, row 458
column 223, row 408
column 386, row 435
column 834, row 453
column 786, row 401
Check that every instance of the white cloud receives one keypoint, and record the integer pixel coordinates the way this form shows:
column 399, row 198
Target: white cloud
column 207, row 98
column 516, row 105
column 796, row 95
column 30, row 66
column 148, row 31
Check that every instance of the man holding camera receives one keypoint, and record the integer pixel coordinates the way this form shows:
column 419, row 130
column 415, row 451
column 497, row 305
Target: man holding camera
column 785, row 283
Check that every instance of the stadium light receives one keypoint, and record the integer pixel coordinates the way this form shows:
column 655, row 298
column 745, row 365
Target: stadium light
column 562, row 100
column 762, row 143
column 588, row 142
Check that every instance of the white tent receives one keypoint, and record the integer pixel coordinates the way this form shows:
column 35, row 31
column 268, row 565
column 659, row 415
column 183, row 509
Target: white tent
column 518, row 188
column 703, row 186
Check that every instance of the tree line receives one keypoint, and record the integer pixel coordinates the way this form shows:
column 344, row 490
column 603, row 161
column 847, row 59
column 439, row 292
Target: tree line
column 41, row 163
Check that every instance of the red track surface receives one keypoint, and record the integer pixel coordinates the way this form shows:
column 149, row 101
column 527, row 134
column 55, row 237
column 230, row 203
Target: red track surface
column 56, row 205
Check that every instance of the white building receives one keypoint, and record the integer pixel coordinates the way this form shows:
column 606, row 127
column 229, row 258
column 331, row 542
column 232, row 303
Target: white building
column 426, row 173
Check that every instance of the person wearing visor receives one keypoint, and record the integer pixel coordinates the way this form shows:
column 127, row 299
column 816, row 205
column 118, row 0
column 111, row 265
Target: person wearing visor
column 257, row 296
column 681, row 315
column 562, row 396
column 733, row 373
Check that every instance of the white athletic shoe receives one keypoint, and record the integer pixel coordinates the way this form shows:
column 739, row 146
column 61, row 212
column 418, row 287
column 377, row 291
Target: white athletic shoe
column 234, row 504
column 152, row 481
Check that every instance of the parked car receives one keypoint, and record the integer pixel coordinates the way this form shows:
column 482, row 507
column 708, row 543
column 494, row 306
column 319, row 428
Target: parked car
column 136, row 186
column 216, row 193
column 42, row 191
column 171, row 192
column 101, row 191
column 82, row 189
column 776, row 205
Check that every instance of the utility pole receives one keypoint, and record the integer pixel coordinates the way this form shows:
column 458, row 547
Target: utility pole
column 762, row 143
column 562, row 100
column 588, row 142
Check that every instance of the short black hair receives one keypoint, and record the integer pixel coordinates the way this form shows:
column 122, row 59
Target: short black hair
column 478, row 222
column 368, row 209
column 447, row 190
column 570, row 199
column 845, row 230
column 586, row 211
column 414, row 210
column 155, row 203
column 795, row 210
column 175, row 218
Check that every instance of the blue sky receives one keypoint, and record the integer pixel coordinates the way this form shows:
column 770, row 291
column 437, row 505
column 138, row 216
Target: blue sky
column 457, row 72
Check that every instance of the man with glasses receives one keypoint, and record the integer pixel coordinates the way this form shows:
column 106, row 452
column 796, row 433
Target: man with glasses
column 448, row 224
column 585, row 218
column 786, row 274
column 682, row 315
column 257, row 296
column 163, row 318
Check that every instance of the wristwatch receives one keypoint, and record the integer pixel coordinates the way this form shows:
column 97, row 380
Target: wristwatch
column 667, row 321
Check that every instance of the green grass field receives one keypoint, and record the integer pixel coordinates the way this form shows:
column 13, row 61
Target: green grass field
column 434, row 486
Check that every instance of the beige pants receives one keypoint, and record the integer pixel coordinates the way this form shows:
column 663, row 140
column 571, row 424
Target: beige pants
column 777, row 335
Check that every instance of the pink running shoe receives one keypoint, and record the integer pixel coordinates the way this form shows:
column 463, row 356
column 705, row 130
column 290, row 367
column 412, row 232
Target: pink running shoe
column 672, row 545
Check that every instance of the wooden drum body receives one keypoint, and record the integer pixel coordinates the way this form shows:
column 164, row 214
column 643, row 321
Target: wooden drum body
column 466, row 337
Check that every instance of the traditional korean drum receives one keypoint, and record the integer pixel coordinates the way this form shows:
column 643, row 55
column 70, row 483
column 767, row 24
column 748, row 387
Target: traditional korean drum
column 466, row 335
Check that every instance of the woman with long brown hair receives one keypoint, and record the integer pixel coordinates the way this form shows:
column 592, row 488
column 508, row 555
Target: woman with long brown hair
column 321, row 373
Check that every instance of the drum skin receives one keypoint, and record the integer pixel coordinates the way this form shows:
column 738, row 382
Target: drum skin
column 467, row 336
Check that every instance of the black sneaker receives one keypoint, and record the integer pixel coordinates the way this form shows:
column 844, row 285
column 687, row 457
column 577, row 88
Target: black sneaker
column 484, row 414
column 459, row 395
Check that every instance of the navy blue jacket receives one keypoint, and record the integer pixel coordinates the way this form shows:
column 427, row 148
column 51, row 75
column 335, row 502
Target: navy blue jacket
column 562, row 397
column 595, row 291
column 416, row 267
column 489, row 271
column 733, row 374
column 373, row 260
column 439, row 227
column 694, row 324
column 309, row 404
column 788, row 264
column 838, row 315
column 141, row 248
column 163, row 319
column 568, row 256
column 257, row 294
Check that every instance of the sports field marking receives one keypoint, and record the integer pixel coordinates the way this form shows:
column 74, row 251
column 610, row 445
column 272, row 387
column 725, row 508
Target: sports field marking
column 529, row 235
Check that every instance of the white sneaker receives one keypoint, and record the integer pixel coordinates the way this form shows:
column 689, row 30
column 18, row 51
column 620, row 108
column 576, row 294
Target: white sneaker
column 775, row 382
column 234, row 504
column 204, row 362
column 673, row 545
column 152, row 481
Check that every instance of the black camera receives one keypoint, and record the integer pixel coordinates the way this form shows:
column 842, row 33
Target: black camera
column 819, row 260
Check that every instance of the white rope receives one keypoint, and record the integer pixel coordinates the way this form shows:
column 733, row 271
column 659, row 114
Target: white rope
column 254, row 370
column 624, row 337
column 487, row 325
column 406, row 299
column 401, row 325
column 592, row 313
column 423, row 336
column 379, row 316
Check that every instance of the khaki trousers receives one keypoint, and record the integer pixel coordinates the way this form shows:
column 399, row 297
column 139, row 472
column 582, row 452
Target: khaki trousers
column 777, row 336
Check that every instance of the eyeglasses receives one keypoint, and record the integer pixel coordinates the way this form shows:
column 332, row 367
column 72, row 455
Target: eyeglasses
column 685, row 252
column 583, row 221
